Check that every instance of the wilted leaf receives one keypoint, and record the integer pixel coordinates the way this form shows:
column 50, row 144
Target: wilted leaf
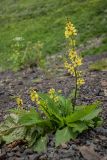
column 17, row 134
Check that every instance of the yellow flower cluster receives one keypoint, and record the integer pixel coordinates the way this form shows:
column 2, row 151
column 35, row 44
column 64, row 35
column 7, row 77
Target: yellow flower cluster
column 19, row 102
column 51, row 91
column 80, row 81
column 34, row 96
column 70, row 68
column 75, row 61
column 70, row 30
column 53, row 95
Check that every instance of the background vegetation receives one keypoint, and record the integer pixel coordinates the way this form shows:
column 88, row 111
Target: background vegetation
column 44, row 21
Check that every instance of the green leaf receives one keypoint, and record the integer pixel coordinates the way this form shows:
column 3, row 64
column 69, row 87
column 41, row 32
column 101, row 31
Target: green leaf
column 65, row 106
column 64, row 135
column 32, row 135
column 78, row 126
column 53, row 110
column 8, row 125
column 80, row 114
column 97, row 121
column 1, row 139
column 94, row 113
column 15, row 117
column 41, row 144
column 17, row 134
column 29, row 117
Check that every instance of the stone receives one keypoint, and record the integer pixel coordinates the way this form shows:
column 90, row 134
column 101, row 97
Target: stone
column 104, row 158
column 21, row 158
column 34, row 157
column 10, row 154
column 102, row 131
column 64, row 146
column 88, row 153
column 3, row 156
column 16, row 148
column 28, row 151
column 18, row 154
column 88, row 142
column 43, row 157
column 2, row 93
column 20, row 83
column 66, row 153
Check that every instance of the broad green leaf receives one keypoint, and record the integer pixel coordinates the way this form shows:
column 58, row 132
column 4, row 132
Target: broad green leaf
column 41, row 144
column 78, row 126
column 15, row 117
column 8, row 125
column 53, row 110
column 79, row 114
column 92, row 115
column 65, row 106
column 17, row 134
column 17, row 111
column 32, row 136
column 64, row 135
column 29, row 117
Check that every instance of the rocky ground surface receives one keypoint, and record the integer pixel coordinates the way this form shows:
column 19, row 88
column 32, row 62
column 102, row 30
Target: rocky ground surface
column 90, row 145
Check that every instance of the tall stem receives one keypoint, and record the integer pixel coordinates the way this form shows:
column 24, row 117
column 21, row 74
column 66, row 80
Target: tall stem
column 75, row 94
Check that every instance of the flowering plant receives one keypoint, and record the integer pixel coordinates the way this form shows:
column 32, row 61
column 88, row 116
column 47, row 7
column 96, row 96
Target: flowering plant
column 26, row 54
column 75, row 61
column 54, row 113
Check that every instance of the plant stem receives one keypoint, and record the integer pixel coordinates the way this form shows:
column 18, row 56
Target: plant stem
column 75, row 94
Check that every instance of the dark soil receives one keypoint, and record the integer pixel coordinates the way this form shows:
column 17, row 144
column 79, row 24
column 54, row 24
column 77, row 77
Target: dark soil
column 13, row 84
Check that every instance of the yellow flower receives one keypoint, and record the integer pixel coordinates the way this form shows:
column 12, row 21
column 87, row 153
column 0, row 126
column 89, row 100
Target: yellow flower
column 72, row 55
column 51, row 96
column 70, row 68
column 37, row 102
column 66, row 64
column 70, row 30
column 56, row 98
column 34, row 96
column 19, row 102
column 59, row 91
column 79, row 73
column 77, row 61
column 51, row 91
column 80, row 81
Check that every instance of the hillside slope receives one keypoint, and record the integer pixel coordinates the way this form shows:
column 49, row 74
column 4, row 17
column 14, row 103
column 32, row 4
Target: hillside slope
column 45, row 20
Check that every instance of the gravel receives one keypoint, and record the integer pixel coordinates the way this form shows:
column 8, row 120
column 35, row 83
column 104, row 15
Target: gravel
column 12, row 84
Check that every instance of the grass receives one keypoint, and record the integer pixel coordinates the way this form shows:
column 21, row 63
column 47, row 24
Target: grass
column 45, row 20
column 100, row 65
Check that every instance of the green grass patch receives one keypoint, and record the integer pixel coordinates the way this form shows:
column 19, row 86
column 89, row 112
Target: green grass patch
column 95, row 50
column 44, row 21
column 100, row 65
